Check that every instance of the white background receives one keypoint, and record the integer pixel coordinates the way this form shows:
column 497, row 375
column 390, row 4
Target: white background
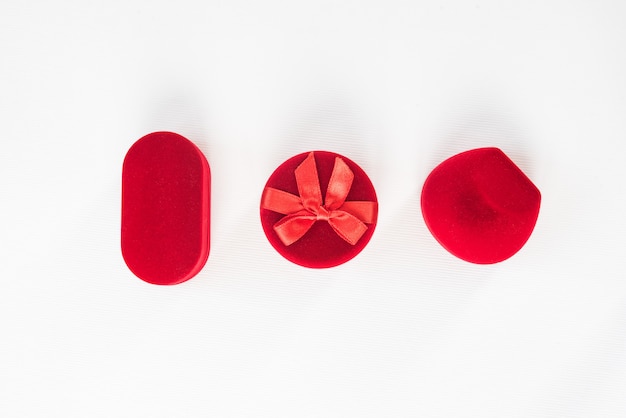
column 404, row 329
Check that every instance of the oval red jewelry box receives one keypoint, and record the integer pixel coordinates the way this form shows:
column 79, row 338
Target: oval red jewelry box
column 165, row 209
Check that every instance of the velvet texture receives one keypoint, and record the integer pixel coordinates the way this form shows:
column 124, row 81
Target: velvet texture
column 480, row 206
column 321, row 246
column 165, row 209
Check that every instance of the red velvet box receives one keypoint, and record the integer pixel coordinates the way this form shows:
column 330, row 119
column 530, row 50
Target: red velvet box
column 165, row 208
column 480, row 206
column 319, row 209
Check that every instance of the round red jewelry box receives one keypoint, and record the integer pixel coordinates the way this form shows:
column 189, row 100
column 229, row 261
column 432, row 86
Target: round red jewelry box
column 319, row 209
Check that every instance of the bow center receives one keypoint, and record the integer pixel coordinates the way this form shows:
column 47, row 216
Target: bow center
column 322, row 214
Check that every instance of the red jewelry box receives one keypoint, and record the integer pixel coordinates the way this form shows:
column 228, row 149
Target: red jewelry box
column 312, row 231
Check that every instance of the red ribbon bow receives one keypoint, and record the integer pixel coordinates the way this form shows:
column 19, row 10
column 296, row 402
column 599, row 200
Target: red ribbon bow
column 347, row 219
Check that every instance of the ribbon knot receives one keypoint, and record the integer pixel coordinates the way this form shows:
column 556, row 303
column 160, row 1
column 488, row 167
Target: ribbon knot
column 322, row 214
column 347, row 219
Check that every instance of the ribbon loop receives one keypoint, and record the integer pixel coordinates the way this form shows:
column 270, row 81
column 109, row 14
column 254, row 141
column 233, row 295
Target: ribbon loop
column 347, row 219
column 280, row 201
column 339, row 185
column 308, row 183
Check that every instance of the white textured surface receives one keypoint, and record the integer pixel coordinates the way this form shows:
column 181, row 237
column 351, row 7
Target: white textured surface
column 404, row 329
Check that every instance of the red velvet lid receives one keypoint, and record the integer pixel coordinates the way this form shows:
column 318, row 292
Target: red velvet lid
column 165, row 208
column 321, row 246
column 480, row 206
